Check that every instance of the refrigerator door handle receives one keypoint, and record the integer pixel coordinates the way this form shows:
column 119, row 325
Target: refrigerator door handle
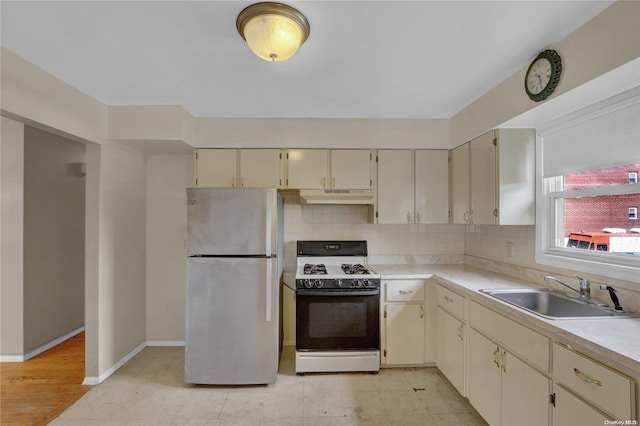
column 269, row 283
column 268, row 224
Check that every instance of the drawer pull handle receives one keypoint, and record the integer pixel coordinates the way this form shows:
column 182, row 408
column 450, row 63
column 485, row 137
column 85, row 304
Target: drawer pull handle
column 460, row 332
column 586, row 378
column 421, row 311
column 405, row 291
column 448, row 299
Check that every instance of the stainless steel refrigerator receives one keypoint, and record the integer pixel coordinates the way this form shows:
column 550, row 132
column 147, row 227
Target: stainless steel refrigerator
column 234, row 265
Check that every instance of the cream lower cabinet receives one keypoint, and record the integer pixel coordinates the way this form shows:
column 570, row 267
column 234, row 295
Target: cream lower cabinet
column 451, row 331
column 450, row 348
column 502, row 388
column 569, row 410
column 405, row 322
column 585, row 388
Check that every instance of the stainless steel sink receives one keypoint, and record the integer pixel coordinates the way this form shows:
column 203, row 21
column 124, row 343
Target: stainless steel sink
column 552, row 305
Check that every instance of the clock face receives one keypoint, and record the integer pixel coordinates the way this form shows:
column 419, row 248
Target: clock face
column 543, row 75
column 539, row 76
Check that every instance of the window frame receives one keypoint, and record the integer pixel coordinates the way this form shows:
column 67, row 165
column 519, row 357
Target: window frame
column 549, row 221
column 633, row 216
column 633, row 177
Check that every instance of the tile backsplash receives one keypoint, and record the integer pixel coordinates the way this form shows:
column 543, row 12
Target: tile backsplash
column 428, row 243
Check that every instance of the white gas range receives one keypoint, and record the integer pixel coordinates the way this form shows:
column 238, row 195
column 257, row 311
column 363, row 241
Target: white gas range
column 337, row 308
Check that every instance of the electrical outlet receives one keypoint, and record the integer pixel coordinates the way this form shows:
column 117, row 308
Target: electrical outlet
column 509, row 249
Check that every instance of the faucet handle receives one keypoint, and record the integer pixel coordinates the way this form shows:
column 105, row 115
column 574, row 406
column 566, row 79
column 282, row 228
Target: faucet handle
column 584, row 283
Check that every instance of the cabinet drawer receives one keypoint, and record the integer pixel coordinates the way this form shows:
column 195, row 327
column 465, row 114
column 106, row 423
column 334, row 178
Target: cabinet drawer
column 516, row 338
column 405, row 291
column 450, row 301
column 600, row 385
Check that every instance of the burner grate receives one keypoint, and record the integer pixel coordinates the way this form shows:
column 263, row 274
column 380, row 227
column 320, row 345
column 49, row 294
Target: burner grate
column 319, row 269
column 356, row 269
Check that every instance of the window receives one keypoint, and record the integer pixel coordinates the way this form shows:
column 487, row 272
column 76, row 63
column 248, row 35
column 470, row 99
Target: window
column 587, row 183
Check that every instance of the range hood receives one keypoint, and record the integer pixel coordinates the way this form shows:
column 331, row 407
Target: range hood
column 336, row 196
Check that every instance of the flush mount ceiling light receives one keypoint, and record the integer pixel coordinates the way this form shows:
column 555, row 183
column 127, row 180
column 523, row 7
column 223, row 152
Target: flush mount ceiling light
column 273, row 31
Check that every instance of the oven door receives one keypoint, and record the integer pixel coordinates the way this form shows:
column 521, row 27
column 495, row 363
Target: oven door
column 338, row 319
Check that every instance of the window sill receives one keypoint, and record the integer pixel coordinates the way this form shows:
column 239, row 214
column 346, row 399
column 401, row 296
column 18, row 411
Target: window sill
column 622, row 269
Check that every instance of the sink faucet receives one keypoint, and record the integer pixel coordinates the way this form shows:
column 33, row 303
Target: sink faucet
column 585, row 288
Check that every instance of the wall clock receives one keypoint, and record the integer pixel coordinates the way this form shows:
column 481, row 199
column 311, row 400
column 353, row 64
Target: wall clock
column 543, row 75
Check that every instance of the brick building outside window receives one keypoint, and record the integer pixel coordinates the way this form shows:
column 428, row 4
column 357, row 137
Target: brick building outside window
column 593, row 214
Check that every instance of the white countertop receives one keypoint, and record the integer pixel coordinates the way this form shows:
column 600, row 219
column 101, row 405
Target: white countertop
column 614, row 341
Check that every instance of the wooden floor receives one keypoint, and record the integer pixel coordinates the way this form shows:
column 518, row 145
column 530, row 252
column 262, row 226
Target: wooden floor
column 34, row 392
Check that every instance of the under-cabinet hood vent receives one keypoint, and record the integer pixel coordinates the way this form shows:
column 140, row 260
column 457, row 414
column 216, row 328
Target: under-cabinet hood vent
column 336, row 196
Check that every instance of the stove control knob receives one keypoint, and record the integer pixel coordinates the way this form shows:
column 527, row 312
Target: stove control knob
column 367, row 283
column 319, row 283
column 338, row 282
column 307, row 283
column 357, row 283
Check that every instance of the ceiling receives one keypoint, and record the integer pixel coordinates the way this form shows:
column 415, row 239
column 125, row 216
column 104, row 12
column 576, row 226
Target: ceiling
column 363, row 59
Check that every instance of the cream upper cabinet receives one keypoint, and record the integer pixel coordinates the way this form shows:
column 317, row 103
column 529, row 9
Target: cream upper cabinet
column 351, row 169
column 431, row 186
column 483, row 179
column 261, row 168
column 329, row 169
column 395, row 186
column 460, row 184
column 216, row 168
column 307, row 168
column 493, row 179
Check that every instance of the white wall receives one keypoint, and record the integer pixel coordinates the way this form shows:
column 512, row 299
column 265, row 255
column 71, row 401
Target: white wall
column 54, row 213
column 11, row 247
column 121, row 295
column 168, row 176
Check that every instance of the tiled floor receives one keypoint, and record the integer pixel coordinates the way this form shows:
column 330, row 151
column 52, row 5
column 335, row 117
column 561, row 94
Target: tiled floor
column 150, row 390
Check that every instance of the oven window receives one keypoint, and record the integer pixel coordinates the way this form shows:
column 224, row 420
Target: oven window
column 337, row 319
column 337, row 322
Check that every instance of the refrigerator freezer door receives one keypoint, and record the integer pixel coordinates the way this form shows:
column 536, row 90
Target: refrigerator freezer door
column 228, row 222
column 232, row 321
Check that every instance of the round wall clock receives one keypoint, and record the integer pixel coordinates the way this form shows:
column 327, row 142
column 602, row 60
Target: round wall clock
column 543, row 75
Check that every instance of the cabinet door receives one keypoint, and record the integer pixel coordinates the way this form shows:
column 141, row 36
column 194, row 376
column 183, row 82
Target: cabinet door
column 450, row 348
column 525, row 394
column 395, row 186
column 351, row 169
column 260, row 168
column 405, row 334
column 432, row 186
column 483, row 179
column 484, row 377
column 216, row 168
column 307, row 168
column 460, row 184
column 571, row 411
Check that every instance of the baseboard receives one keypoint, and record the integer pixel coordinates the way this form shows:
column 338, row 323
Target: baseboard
column 93, row 380
column 39, row 350
column 165, row 343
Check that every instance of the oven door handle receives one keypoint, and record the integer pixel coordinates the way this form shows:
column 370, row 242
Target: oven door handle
column 375, row 292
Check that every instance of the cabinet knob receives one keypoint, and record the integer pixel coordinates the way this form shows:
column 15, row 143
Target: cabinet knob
column 405, row 291
column 417, row 217
column 408, row 217
column 323, row 182
column 421, row 311
column 333, row 182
